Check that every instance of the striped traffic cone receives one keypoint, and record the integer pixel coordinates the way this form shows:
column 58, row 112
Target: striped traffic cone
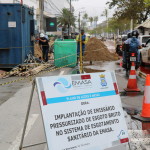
column 132, row 82
column 146, row 99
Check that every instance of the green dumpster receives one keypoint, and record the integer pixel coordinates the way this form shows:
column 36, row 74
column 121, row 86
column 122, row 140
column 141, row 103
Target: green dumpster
column 65, row 53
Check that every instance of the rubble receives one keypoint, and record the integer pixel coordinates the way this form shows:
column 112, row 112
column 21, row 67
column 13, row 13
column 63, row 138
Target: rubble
column 26, row 70
column 96, row 50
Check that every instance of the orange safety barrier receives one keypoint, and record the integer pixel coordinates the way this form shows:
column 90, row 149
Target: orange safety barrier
column 132, row 82
column 146, row 99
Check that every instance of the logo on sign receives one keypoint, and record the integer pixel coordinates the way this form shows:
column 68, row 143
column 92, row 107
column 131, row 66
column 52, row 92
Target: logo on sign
column 121, row 134
column 103, row 80
column 62, row 85
column 81, row 81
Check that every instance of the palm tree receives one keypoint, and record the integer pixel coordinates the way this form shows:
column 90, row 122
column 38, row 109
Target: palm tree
column 83, row 22
column 95, row 19
column 66, row 18
column 91, row 20
column 105, row 13
column 85, row 16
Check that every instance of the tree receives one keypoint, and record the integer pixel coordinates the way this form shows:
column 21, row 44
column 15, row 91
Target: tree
column 138, row 10
column 66, row 18
column 83, row 22
column 95, row 19
column 105, row 13
column 85, row 16
column 91, row 20
column 147, row 3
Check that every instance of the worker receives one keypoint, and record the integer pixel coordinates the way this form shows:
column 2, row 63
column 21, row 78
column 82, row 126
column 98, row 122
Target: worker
column 44, row 45
column 84, row 41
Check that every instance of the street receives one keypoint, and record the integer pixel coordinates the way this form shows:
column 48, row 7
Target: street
column 74, row 75
column 14, row 105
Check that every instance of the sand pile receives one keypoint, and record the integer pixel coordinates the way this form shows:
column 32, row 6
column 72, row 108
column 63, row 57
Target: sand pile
column 38, row 51
column 96, row 50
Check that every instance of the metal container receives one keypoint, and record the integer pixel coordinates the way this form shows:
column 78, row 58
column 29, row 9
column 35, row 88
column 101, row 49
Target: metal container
column 16, row 30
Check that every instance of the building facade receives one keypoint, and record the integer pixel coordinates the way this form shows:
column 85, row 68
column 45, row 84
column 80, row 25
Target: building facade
column 144, row 28
column 51, row 8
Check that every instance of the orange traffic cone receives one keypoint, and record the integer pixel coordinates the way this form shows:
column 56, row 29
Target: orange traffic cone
column 132, row 82
column 146, row 100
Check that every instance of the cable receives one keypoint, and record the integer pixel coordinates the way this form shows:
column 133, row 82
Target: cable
column 56, row 7
column 52, row 7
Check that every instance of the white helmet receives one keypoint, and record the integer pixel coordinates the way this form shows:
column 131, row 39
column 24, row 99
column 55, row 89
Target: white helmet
column 42, row 35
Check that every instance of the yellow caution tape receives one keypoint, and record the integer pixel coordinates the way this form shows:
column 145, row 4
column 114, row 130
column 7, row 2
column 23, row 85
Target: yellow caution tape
column 20, row 79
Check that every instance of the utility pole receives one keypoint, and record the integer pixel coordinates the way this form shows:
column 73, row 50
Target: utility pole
column 69, row 25
column 41, row 9
column 131, row 25
column 70, row 6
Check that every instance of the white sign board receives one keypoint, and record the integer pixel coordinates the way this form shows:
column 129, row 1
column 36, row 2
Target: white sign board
column 82, row 112
column 12, row 24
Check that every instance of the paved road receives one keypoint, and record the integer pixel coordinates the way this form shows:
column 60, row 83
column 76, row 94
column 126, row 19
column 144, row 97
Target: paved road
column 14, row 100
column 12, row 115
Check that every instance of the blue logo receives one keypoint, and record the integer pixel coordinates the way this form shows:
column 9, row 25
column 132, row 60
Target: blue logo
column 62, row 85
column 103, row 80
column 122, row 133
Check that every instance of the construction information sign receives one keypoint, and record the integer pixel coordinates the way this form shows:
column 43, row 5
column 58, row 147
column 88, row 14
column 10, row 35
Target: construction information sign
column 82, row 112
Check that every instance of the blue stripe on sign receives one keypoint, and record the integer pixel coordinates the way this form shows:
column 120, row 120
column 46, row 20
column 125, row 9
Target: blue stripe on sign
column 79, row 97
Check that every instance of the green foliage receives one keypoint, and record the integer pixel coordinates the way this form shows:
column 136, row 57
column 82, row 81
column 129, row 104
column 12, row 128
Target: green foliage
column 91, row 20
column 66, row 18
column 147, row 3
column 95, row 18
column 105, row 13
column 114, row 26
column 121, row 24
column 138, row 10
column 85, row 16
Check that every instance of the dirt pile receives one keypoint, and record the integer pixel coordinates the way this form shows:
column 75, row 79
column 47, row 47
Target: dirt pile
column 89, row 70
column 37, row 50
column 96, row 50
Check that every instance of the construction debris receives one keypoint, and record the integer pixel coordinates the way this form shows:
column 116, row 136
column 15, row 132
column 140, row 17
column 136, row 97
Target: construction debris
column 96, row 50
column 26, row 70
column 2, row 73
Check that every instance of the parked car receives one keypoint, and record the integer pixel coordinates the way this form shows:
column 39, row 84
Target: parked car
column 143, row 39
column 145, row 53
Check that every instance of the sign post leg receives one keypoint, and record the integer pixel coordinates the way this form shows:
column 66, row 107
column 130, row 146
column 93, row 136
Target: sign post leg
column 27, row 115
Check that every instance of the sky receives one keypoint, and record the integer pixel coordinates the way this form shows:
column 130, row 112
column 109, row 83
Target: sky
column 92, row 7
